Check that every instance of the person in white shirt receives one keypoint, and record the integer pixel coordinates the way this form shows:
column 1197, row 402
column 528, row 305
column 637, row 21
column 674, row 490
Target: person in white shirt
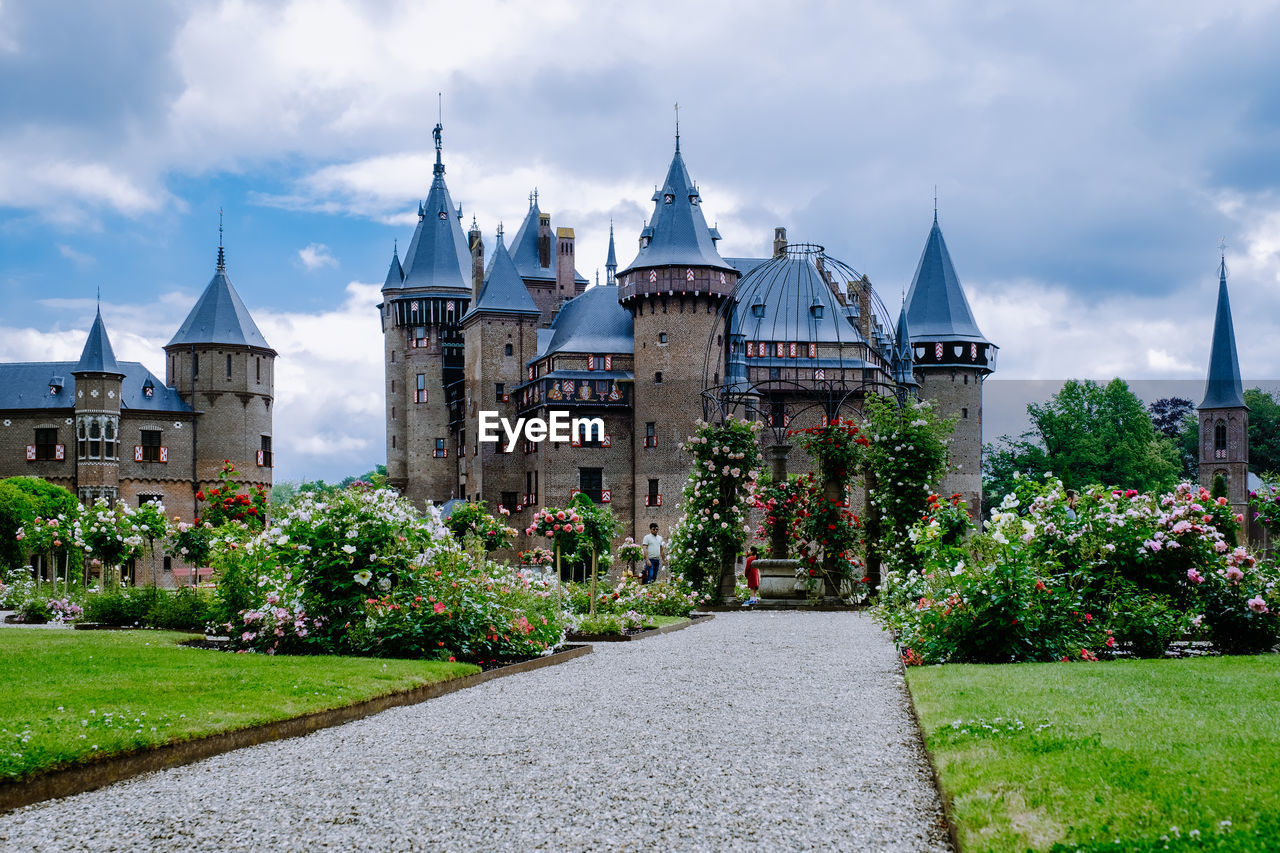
column 653, row 545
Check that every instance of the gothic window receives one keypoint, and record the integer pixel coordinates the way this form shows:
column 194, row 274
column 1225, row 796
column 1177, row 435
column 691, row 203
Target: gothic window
column 1220, row 440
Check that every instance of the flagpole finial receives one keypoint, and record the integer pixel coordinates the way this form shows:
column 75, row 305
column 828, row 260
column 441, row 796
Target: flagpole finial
column 677, row 127
column 222, row 257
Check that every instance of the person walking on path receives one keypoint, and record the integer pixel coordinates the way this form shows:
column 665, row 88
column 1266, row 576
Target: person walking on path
column 753, row 576
column 653, row 545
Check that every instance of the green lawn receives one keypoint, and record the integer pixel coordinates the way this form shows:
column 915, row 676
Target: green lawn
column 663, row 621
column 70, row 695
column 1108, row 755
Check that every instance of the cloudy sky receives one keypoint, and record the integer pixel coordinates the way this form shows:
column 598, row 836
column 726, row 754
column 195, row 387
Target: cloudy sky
column 1088, row 158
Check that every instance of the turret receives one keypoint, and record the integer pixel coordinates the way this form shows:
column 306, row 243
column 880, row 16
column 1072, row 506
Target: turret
column 951, row 358
column 423, row 346
column 1223, row 415
column 545, row 260
column 476, row 242
column 223, row 367
column 673, row 289
column 97, row 406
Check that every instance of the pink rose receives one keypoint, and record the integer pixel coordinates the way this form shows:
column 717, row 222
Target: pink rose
column 1257, row 605
column 1194, row 576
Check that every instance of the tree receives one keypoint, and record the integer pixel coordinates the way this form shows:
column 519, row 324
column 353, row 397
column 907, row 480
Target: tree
column 15, row 512
column 1264, row 432
column 1085, row 434
column 1168, row 415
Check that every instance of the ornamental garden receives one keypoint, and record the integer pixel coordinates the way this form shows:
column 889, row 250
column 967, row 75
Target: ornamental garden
column 1034, row 636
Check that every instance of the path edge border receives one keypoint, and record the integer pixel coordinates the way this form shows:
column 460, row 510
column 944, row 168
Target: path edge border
column 79, row 779
column 948, row 807
column 688, row 622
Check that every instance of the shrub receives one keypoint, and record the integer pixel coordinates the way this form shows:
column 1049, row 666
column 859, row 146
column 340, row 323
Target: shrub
column 34, row 611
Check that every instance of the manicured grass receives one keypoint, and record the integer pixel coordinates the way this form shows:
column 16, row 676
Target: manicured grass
column 663, row 621
column 71, row 695
column 1108, row 755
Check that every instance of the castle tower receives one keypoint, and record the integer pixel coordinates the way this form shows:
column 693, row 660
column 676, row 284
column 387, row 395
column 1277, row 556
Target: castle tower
column 545, row 261
column 476, row 242
column 952, row 359
column 673, row 289
column 422, row 304
column 501, row 336
column 97, row 406
column 223, row 367
column 1224, row 417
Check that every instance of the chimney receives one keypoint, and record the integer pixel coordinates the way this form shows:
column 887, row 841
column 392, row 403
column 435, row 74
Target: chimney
column 544, row 240
column 565, row 285
column 477, row 260
column 779, row 241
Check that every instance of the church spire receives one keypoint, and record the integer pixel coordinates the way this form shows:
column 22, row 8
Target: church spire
column 1223, row 388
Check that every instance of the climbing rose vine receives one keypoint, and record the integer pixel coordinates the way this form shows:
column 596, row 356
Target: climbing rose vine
column 713, row 527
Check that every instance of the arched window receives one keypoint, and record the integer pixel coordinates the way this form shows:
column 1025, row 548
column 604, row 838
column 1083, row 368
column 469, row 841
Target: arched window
column 1220, row 440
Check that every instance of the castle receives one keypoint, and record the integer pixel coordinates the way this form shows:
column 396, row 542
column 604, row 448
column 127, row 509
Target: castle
column 104, row 428
column 523, row 335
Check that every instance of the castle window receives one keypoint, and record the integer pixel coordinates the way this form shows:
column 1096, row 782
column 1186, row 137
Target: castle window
column 143, row 500
column 499, row 392
column 150, row 445
column 109, row 440
column 393, row 356
column 420, row 392
column 662, row 337
column 419, row 339
column 393, row 386
column 508, row 350
column 509, row 501
column 82, row 442
column 652, row 498
column 1220, row 440
column 393, row 413
column 264, row 452
column 228, row 365
column 964, row 413
column 531, row 487
column 651, row 434
column 257, row 367
column 46, row 445
column 657, row 378
column 591, row 483
column 966, row 379
column 195, row 365
column 440, row 452
column 393, row 442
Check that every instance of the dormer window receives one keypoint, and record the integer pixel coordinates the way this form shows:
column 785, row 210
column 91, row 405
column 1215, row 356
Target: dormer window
column 644, row 242
column 668, row 198
column 693, row 198
column 148, row 389
column 55, row 386
column 817, row 309
column 757, row 309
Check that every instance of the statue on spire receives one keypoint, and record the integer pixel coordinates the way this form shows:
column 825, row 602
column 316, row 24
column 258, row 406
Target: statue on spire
column 436, row 134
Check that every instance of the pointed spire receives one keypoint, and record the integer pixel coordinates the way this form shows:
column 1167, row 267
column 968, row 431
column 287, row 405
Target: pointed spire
column 439, row 255
column 936, row 304
column 222, row 257
column 503, row 291
column 98, row 356
column 611, row 262
column 677, row 233
column 524, row 248
column 395, row 273
column 1223, row 388
column 219, row 316
column 903, row 373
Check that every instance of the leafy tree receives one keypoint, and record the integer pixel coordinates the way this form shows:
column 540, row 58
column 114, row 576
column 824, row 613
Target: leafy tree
column 1264, row 432
column 47, row 499
column 1088, row 433
column 16, row 510
column 1169, row 413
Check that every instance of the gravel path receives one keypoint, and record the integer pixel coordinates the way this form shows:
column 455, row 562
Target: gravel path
column 756, row 730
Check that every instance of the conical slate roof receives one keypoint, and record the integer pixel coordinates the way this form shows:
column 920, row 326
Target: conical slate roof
column 503, row 291
column 98, row 356
column 438, row 258
column 219, row 316
column 592, row 322
column 611, row 262
column 524, row 249
column 395, row 273
column 902, row 361
column 937, row 309
column 677, row 234
column 1223, row 388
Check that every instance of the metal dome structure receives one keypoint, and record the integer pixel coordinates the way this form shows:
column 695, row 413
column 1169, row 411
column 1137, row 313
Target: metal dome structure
column 802, row 331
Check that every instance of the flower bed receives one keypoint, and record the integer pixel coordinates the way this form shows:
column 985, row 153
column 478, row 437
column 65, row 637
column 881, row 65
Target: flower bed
column 1121, row 572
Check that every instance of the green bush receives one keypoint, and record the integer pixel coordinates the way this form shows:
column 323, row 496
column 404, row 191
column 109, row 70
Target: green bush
column 16, row 511
column 1146, row 625
column 148, row 607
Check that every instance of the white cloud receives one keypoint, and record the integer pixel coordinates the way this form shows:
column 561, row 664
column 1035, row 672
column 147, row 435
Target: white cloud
column 316, row 255
column 80, row 259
